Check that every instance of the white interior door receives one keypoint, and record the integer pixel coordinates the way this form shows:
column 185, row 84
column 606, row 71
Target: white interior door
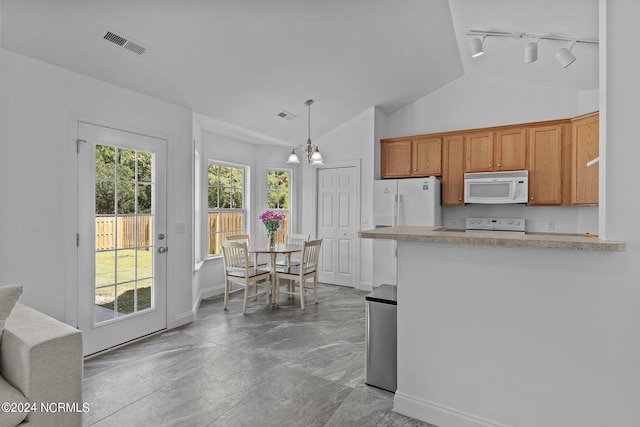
column 121, row 236
column 336, row 225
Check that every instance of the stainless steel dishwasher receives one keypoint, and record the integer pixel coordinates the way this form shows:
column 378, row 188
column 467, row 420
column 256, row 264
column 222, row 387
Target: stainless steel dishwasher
column 381, row 337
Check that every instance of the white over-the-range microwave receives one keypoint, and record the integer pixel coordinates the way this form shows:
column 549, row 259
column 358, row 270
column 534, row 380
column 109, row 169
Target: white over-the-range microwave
column 496, row 187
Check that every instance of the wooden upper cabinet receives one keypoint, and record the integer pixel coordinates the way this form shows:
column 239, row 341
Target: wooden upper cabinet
column 411, row 157
column 427, row 157
column 395, row 159
column 585, row 140
column 478, row 152
column 545, row 165
column 511, row 150
column 503, row 150
column 453, row 170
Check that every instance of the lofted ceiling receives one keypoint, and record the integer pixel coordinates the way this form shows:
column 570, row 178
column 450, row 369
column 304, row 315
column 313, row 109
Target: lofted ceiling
column 238, row 63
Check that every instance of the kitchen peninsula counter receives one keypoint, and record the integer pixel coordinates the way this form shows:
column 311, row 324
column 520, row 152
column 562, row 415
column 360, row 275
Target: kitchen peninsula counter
column 441, row 235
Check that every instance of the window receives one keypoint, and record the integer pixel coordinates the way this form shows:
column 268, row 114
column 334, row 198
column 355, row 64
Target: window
column 226, row 203
column 278, row 196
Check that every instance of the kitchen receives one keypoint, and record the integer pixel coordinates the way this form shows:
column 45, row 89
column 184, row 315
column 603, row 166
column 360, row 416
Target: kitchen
column 504, row 336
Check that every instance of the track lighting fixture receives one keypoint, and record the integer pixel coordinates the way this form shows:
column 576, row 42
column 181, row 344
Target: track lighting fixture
column 476, row 47
column 563, row 55
column 531, row 52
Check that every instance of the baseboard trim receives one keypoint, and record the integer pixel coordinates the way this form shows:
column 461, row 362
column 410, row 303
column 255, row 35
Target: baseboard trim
column 183, row 319
column 365, row 286
column 439, row 415
column 207, row 293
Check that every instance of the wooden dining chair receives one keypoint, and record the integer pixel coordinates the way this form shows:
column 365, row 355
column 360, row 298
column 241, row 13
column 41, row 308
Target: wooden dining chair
column 247, row 239
column 299, row 274
column 238, row 271
column 293, row 239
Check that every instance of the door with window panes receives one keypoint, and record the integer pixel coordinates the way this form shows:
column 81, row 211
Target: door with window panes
column 122, row 240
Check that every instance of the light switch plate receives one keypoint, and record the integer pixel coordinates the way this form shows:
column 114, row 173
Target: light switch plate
column 181, row 228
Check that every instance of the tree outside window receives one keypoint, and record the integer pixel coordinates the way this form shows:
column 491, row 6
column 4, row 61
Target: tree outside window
column 226, row 207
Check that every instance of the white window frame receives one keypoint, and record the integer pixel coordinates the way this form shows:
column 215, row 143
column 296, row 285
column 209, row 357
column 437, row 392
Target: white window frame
column 245, row 202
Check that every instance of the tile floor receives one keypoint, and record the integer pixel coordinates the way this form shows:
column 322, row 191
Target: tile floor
column 271, row 367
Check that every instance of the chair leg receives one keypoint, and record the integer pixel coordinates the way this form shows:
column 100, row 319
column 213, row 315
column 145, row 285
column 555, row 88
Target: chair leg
column 226, row 293
column 267, row 290
column 276, row 292
column 302, row 293
column 246, row 297
column 315, row 286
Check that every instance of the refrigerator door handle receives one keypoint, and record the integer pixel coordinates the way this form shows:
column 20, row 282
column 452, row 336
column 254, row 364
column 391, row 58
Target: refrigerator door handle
column 395, row 210
column 399, row 217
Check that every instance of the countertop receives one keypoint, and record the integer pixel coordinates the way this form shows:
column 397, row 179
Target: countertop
column 421, row 234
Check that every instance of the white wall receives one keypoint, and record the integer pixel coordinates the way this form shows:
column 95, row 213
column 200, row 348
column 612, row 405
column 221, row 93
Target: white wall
column 352, row 141
column 553, row 338
column 470, row 102
column 37, row 179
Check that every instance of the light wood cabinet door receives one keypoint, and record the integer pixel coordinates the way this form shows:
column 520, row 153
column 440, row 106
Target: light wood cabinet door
column 427, row 157
column 478, row 152
column 511, row 150
column 545, row 165
column 585, row 140
column 453, row 170
column 396, row 159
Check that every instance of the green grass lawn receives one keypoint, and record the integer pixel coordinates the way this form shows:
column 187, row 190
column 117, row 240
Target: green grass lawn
column 124, row 270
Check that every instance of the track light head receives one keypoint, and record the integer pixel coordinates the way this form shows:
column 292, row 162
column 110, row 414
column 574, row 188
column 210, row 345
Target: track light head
column 531, row 52
column 476, row 47
column 565, row 57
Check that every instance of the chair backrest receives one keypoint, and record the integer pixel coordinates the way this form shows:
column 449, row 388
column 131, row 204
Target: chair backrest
column 297, row 239
column 239, row 238
column 236, row 257
column 310, row 254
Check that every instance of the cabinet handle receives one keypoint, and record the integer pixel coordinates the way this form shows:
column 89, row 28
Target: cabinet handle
column 499, row 165
column 408, row 170
column 490, row 165
column 532, row 198
column 459, row 199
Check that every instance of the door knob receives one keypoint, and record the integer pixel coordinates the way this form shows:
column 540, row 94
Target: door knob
column 161, row 236
column 163, row 249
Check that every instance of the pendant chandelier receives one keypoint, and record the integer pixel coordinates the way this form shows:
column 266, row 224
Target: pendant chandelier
column 312, row 151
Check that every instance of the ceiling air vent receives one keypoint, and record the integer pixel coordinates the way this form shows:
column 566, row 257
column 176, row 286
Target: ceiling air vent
column 123, row 41
column 286, row 115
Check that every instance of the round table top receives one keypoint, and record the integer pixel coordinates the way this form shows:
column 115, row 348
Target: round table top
column 280, row 248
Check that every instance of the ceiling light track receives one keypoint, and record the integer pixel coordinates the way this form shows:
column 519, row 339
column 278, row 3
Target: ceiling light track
column 522, row 35
column 564, row 56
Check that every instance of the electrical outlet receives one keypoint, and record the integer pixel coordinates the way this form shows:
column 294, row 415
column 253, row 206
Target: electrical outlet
column 551, row 226
column 454, row 223
column 364, row 223
column 181, row 228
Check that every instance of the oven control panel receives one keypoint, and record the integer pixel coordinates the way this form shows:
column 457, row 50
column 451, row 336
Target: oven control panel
column 496, row 224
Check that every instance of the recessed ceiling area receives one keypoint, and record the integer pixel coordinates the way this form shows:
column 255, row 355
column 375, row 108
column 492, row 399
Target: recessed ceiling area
column 242, row 63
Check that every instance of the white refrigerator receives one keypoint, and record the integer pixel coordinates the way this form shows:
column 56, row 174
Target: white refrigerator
column 410, row 201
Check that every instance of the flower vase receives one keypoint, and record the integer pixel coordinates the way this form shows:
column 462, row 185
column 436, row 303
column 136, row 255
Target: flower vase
column 272, row 239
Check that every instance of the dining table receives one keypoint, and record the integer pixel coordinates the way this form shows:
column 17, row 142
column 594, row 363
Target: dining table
column 278, row 249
